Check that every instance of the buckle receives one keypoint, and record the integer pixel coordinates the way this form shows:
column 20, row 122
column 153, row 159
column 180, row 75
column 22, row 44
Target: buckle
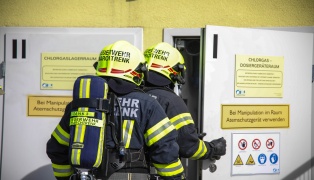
column 102, row 105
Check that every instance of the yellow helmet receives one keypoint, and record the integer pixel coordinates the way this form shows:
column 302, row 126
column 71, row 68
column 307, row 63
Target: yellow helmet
column 166, row 60
column 122, row 60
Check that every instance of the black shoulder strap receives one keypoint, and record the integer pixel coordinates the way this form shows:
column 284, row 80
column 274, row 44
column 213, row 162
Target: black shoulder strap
column 119, row 143
column 98, row 103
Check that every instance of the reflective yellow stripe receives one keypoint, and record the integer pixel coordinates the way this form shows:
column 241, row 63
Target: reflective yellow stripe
column 182, row 120
column 61, row 136
column 84, row 88
column 80, row 129
column 62, row 170
column 200, row 151
column 158, row 131
column 169, row 169
column 78, row 137
column 127, row 132
column 84, row 91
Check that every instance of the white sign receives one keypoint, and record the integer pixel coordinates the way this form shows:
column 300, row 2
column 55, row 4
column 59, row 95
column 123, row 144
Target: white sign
column 255, row 153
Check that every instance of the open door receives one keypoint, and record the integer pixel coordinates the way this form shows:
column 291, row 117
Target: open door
column 248, row 73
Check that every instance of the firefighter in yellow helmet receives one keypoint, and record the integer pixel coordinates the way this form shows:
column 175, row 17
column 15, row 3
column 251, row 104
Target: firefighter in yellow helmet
column 166, row 67
column 147, row 132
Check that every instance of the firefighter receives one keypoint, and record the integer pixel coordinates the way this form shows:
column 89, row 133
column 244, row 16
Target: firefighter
column 149, row 135
column 166, row 67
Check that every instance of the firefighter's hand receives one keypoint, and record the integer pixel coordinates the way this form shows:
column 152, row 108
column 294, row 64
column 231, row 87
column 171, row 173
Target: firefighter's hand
column 218, row 148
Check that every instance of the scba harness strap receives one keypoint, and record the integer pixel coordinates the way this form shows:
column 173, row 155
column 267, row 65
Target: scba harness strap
column 99, row 104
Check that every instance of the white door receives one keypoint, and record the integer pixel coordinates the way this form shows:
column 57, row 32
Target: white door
column 24, row 137
column 223, row 45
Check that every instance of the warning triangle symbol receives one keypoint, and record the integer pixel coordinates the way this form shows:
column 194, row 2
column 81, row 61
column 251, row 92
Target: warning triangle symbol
column 250, row 161
column 238, row 161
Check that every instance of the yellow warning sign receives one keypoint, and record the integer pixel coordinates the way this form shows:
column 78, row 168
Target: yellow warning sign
column 235, row 116
column 60, row 70
column 238, row 161
column 250, row 160
column 48, row 106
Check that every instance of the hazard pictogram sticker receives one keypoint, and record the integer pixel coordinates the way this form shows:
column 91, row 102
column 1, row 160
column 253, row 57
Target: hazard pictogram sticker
column 256, row 144
column 238, row 161
column 262, row 158
column 242, row 144
column 250, row 160
column 270, row 143
column 273, row 158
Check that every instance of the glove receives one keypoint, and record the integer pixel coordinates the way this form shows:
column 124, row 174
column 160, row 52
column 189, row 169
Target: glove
column 218, row 148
